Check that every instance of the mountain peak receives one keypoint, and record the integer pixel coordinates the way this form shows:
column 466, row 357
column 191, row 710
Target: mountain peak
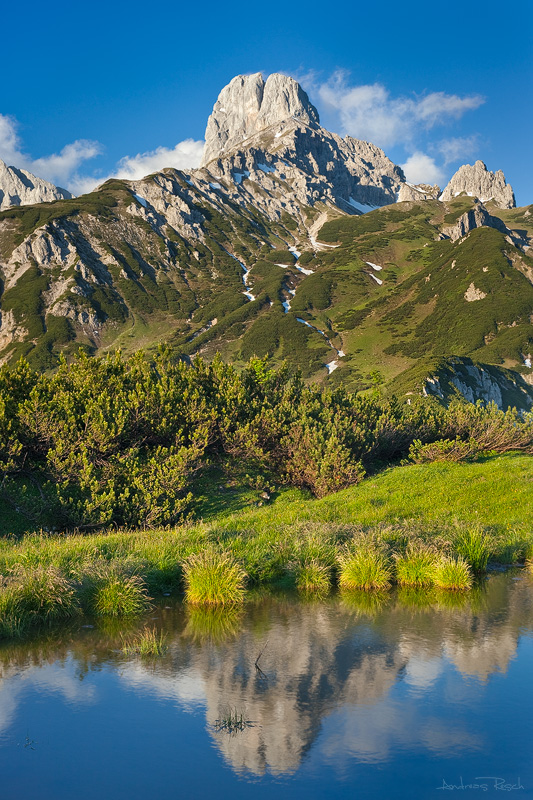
column 248, row 105
column 18, row 187
column 478, row 181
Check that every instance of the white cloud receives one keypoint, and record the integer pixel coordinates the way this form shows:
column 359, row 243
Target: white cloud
column 370, row 112
column 9, row 141
column 458, row 149
column 185, row 155
column 63, row 168
column 421, row 168
column 57, row 168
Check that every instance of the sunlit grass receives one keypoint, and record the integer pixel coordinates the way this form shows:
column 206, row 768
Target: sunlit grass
column 453, row 574
column 474, row 545
column 120, row 595
column 213, row 578
column 366, row 567
column 313, row 577
column 415, row 567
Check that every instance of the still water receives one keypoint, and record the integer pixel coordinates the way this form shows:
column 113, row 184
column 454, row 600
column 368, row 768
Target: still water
column 405, row 696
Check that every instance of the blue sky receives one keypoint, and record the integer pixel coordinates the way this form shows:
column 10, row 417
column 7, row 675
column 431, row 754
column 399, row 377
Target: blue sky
column 106, row 88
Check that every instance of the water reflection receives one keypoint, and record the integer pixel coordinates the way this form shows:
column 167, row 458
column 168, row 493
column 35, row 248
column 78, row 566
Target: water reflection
column 352, row 676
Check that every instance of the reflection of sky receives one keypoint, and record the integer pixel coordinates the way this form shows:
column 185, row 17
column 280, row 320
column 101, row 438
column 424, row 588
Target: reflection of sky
column 186, row 688
column 48, row 679
column 338, row 693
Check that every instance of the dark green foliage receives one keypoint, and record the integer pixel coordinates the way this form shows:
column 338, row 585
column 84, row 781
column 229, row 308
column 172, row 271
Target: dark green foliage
column 280, row 257
column 98, row 203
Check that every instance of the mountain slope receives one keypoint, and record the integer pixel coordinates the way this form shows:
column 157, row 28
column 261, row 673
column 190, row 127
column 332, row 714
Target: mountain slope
column 265, row 250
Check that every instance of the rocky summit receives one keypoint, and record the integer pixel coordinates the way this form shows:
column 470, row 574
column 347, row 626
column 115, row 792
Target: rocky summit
column 289, row 242
column 19, row 187
column 478, row 181
column 249, row 105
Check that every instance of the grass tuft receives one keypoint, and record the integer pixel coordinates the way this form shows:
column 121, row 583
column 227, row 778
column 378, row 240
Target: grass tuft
column 415, row 567
column 474, row 546
column 213, row 578
column 32, row 596
column 453, row 574
column 232, row 721
column 119, row 595
column 366, row 568
column 313, row 577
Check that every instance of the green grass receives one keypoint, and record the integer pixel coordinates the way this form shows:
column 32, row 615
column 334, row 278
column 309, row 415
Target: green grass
column 35, row 596
column 213, row 578
column 313, row 577
column 474, row 545
column 294, row 538
column 453, row 574
column 365, row 567
column 120, row 596
column 415, row 567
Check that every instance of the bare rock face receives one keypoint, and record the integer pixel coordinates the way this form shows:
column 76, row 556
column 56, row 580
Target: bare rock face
column 265, row 147
column 248, row 105
column 420, row 191
column 478, row 181
column 21, row 188
column 476, row 217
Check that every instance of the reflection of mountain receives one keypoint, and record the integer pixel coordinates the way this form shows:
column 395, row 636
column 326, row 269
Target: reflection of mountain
column 361, row 685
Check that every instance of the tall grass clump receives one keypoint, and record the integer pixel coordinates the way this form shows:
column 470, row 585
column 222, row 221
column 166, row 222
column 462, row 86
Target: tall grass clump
column 33, row 596
column 120, row 595
column 312, row 577
column 366, row 567
column 213, row 578
column 147, row 643
column 474, row 545
column 415, row 567
column 453, row 574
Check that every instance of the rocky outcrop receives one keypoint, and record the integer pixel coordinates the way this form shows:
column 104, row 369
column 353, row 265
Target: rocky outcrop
column 478, row 181
column 485, row 382
column 248, row 105
column 21, row 188
column 421, row 191
column 265, row 147
column 476, row 217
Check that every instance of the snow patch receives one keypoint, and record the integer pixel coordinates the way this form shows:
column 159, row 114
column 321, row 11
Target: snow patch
column 296, row 253
column 374, row 266
column 305, row 271
column 277, row 135
column 375, row 278
column 141, row 200
column 265, row 168
column 215, row 186
column 332, row 366
column 318, row 245
column 362, row 207
column 527, row 362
